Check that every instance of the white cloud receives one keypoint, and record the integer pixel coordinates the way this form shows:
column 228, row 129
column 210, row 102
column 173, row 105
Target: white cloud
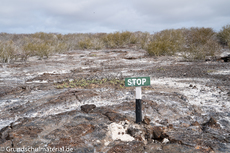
column 67, row 16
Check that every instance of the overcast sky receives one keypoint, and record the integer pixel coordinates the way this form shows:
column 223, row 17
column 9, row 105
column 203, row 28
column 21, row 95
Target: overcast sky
column 83, row 16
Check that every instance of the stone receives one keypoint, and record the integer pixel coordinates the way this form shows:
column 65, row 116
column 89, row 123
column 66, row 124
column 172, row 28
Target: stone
column 117, row 131
column 132, row 147
column 211, row 123
column 195, row 124
column 137, row 132
column 184, row 98
column 157, row 132
column 115, row 117
column 146, row 120
column 87, row 108
column 153, row 147
column 165, row 140
column 164, row 122
column 176, row 148
column 31, row 131
column 226, row 58
column 170, row 126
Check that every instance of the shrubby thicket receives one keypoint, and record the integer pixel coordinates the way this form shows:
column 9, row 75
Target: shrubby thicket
column 193, row 43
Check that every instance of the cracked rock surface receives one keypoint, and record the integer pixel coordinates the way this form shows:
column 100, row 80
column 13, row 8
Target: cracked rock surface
column 185, row 109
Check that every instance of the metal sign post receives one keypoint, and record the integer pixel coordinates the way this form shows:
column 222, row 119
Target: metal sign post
column 138, row 105
column 138, row 82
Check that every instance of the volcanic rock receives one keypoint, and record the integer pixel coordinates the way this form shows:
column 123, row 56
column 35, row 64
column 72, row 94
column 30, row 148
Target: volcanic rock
column 157, row 132
column 211, row 123
column 87, row 108
column 115, row 117
column 146, row 120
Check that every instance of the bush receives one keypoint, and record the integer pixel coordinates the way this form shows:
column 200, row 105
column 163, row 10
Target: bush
column 85, row 43
column 199, row 36
column 166, row 42
column 195, row 43
column 8, row 51
column 117, row 39
column 201, row 42
column 39, row 48
column 144, row 39
column 201, row 51
column 97, row 43
column 61, row 47
column 133, row 39
column 224, row 35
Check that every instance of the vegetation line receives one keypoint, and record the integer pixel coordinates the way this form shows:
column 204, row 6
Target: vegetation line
column 192, row 43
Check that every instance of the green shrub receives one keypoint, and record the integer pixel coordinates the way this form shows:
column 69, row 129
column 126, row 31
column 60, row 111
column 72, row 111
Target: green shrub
column 41, row 49
column 44, row 36
column 199, row 36
column 85, row 83
column 60, row 47
column 201, row 42
column 166, row 42
column 144, row 39
column 116, row 39
column 133, row 39
column 8, row 51
column 112, row 40
column 85, row 44
column 224, row 35
column 201, row 51
column 97, row 43
column 195, row 43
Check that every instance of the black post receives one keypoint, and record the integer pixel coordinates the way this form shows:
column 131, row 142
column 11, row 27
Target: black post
column 138, row 111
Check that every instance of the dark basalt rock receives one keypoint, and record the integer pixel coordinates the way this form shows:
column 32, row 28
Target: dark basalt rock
column 115, row 117
column 226, row 58
column 158, row 133
column 43, row 115
column 87, row 108
column 146, row 120
column 211, row 123
column 132, row 147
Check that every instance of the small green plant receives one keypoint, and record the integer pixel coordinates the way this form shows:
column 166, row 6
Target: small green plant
column 84, row 83
column 210, row 71
column 93, row 55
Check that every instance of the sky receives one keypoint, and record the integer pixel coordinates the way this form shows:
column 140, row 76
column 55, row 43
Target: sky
column 95, row 16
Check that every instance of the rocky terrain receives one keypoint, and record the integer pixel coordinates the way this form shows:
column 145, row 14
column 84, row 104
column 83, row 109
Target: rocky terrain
column 186, row 108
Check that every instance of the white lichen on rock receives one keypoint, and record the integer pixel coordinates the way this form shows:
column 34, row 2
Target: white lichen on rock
column 118, row 131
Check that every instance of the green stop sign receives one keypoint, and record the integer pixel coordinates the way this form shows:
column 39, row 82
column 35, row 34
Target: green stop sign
column 137, row 81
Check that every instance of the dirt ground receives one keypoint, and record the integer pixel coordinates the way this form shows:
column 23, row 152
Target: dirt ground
column 186, row 108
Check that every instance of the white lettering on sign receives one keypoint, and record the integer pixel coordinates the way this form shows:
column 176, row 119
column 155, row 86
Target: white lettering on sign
column 129, row 82
column 143, row 81
column 136, row 81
